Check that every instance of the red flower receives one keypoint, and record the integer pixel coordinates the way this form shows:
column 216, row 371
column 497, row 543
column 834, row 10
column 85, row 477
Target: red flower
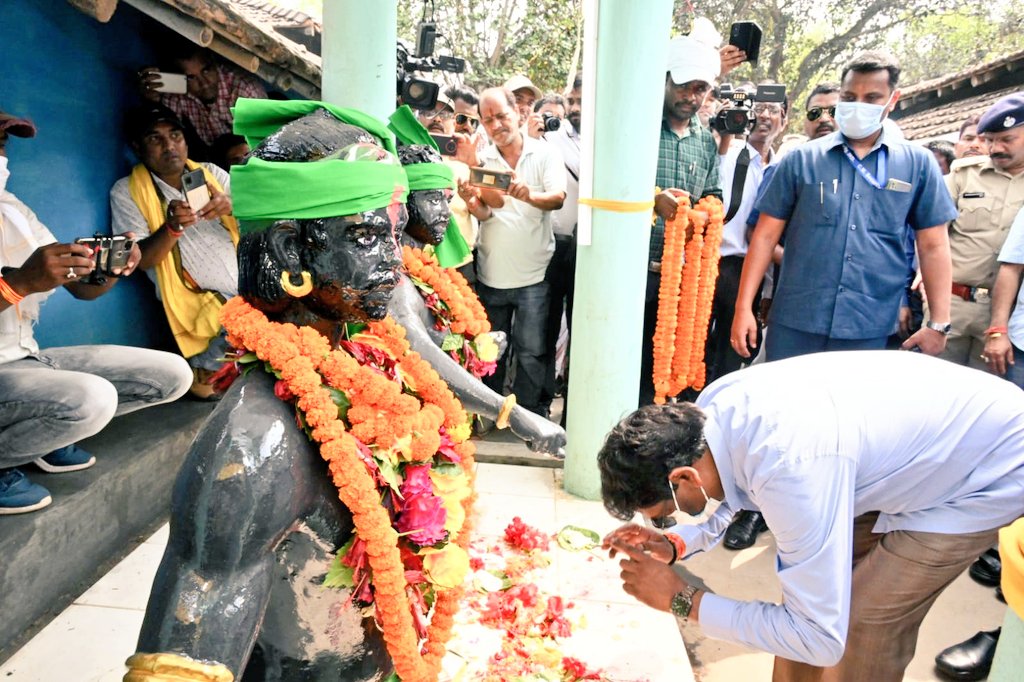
column 422, row 519
column 524, row 537
column 282, row 391
column 224, row 377
column 417, row 481
column 575, row 669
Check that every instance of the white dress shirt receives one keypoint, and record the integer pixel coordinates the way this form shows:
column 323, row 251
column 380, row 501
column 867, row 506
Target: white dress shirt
column 734, row 234
column 814, row 441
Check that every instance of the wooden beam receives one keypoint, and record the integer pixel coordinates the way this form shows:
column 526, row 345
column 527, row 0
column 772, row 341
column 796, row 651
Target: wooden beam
column 100, row 10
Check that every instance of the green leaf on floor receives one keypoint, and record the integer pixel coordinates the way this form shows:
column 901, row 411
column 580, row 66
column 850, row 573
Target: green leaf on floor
column 576, row 539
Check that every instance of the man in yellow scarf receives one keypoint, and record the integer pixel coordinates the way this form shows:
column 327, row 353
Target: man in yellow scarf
column 189, row 254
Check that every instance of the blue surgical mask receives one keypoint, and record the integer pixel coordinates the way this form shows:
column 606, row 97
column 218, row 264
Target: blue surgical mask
column 857, row 120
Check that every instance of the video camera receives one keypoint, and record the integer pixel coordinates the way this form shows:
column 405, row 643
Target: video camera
column 737, row 117
column 418, row 93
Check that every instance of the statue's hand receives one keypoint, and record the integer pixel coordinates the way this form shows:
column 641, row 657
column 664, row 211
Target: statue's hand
column 501, row 341
column 540, row 434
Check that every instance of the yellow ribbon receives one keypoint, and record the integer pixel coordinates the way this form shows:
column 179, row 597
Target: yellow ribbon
column 618, row 206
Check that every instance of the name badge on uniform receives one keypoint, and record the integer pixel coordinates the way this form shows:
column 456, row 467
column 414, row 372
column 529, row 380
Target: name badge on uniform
column 973, row 195
column 895, row 185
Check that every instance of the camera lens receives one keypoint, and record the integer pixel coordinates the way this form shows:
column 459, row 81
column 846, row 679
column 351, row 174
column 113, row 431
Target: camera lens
column 551, row 122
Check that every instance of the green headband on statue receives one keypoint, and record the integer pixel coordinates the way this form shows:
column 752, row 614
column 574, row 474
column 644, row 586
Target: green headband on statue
column 272, row 190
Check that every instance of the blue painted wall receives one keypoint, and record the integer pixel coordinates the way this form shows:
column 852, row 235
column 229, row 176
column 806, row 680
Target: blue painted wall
column 74, row 77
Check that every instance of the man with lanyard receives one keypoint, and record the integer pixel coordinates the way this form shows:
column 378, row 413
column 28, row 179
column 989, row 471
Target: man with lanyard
column 561, row 273
column 687, row 164
column 846, row 202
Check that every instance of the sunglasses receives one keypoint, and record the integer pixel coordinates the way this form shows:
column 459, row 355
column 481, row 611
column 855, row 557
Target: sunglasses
column 814, row 113
column 466, row 119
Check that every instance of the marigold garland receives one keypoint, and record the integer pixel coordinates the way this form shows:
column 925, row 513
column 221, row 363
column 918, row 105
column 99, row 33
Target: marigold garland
column 383, row 414
column 685, row 297
column 668, row 300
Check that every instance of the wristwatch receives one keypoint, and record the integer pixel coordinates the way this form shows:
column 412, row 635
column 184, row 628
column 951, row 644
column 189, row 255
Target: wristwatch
column 682, row 602
column 939, row 327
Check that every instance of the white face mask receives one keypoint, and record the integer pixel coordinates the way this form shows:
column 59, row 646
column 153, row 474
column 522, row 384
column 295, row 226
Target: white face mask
column 857, row 120
column 703, row 514
column 4, row 173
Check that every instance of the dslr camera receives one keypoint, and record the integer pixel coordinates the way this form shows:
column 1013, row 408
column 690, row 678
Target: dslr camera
column 551, row 122
column 737, row 116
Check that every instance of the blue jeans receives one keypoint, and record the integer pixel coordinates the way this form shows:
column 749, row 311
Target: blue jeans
column 63, row 395
column 783, row 342
column 522, row 314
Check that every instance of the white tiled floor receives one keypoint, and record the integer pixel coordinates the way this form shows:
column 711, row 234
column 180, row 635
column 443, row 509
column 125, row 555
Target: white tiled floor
column 630, row 642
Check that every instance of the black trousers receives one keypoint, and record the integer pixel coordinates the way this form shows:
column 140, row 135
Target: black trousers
column 561, row 278
column 719, row 356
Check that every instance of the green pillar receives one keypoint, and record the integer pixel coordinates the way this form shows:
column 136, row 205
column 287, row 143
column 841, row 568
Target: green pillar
column 622, row 119
column 359, row 42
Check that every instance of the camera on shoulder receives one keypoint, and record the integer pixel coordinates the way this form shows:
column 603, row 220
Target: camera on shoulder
column 737, row 116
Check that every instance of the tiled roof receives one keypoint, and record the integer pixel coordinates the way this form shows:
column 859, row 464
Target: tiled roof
column 292, row 24
column 944, row 119
column 971, row 76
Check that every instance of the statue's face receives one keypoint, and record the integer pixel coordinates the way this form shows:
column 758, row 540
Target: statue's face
column 355, row 262
column 428, row 215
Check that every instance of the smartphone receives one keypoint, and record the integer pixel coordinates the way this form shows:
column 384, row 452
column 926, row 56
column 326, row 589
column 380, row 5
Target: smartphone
column 172, row 83
column 109, row 253
column 746, row 35
column 446, row 144
column 196, row 192
column 489, row 179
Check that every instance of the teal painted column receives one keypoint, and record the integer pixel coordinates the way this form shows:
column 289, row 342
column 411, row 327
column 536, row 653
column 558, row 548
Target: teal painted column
column 624, row 61
column 359, row 42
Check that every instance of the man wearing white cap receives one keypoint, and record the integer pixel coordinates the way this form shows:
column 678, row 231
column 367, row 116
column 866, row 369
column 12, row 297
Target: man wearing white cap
column 526, row 93
column 687, row 162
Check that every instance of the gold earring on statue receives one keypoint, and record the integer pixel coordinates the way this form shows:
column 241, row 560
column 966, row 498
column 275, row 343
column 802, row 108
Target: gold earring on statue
column 300, row 290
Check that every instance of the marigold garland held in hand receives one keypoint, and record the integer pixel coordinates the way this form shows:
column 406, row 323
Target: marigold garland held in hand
column 382, row 415
column 684, row 301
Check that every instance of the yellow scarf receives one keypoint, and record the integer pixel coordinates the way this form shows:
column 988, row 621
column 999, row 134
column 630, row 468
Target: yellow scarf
column 192, row 315
column 1011, row 552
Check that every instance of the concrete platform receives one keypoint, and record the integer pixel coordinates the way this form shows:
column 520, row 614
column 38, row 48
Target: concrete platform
column 98, row 516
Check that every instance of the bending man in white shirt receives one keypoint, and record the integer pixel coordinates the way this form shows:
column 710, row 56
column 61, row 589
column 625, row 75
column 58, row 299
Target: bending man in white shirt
column 877, row 502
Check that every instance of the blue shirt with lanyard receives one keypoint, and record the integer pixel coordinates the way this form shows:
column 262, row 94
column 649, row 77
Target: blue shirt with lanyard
column 845, row 266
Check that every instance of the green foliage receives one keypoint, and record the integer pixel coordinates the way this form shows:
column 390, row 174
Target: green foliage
column 500, row 38
column 339, row 575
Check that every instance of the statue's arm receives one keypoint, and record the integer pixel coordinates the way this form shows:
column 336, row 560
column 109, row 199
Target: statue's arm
column 234, row 499
column 408, row 309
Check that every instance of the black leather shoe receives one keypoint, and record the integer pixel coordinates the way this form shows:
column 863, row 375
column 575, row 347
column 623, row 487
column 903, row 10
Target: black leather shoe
column 970, row 660
column 744, row 529
column 987, row 568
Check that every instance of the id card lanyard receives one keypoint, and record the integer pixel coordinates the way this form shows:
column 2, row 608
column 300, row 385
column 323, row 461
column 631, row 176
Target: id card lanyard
column 883, row 162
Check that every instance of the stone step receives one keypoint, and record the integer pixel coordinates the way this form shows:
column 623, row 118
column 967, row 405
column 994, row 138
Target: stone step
column 98, row 516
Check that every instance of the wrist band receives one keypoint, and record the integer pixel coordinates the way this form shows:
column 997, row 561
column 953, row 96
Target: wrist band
column 678, row 546
column 996, row 331
column 8, row 293
column 177, row 232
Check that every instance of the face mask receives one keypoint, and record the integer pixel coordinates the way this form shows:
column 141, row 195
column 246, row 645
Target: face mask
column 4, row 173
column 858, row 120
column 700, row 516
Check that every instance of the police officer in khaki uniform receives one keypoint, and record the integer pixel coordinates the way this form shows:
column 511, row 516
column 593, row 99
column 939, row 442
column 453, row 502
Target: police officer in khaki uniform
column 988, row 191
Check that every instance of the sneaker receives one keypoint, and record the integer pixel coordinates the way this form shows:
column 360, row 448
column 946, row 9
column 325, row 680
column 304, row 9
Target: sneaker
column 19, row 495
column 70, row 458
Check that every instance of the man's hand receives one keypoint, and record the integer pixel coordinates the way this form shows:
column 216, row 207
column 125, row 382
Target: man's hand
column 520, row 190
column 743, row 336
column 666, row 203
column 535, row 125
column 180, row 215
column 904, row 321
column 928, row 340
column 52, row 266
column 148, row 83
column 998, row 354
column 731, row 57
column 640, row 538
column 650, row 581
column 219, row 206
column 465, row 148
column 133, row 258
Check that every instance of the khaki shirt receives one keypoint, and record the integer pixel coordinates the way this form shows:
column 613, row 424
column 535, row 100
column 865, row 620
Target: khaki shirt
column 988, row 200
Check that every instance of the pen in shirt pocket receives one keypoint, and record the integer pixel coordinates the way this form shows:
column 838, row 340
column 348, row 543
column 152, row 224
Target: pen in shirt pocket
column 835, row 185
column 821, row 193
